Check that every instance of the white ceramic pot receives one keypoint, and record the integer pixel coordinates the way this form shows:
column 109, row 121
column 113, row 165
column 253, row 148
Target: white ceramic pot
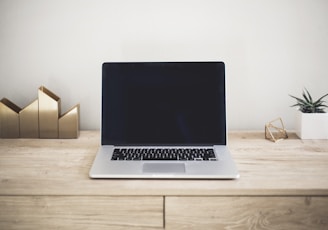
column 312, row 125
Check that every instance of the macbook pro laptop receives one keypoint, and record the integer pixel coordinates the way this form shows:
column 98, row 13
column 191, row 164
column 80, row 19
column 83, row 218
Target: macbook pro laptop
column 163, row 120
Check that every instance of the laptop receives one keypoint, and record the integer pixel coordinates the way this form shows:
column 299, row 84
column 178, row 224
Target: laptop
column 163, row 120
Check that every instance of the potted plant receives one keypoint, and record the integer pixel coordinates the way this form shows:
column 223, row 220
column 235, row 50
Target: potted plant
column 311, row 118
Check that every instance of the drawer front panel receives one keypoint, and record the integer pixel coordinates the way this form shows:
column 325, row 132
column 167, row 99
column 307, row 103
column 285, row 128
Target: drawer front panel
column 246, row 213
column 80, row 212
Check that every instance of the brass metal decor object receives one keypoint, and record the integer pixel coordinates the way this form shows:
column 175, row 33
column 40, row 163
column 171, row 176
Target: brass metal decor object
column 29, row 120
column 40, row 119
column 275, row 130
column 9, row 119
column 49, row 110
column 69, row 123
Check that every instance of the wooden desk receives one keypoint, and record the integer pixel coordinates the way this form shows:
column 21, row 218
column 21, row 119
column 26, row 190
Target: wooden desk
column 44, row 184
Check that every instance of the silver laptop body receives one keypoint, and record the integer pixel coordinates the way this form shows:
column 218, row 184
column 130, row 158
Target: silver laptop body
column 163, row 120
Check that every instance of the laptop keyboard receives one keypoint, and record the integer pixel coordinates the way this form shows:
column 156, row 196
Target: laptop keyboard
column 178, row 154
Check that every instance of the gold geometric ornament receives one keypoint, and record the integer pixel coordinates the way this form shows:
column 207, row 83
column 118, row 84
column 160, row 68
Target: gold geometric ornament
column 49, row 111
column 29, row 120
column 69, row 123
column 40, row 119
column 9, row 119
column 275, row 130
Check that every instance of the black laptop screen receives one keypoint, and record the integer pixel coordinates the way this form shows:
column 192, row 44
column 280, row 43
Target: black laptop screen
column 170, row 103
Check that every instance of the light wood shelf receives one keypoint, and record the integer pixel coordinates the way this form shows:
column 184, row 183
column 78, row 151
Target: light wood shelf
column 44, row 184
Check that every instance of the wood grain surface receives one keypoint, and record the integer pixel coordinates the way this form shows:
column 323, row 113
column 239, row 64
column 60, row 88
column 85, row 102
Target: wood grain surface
column 80, row 212
column 246, row 213
column 61, row 167
column 44, row 184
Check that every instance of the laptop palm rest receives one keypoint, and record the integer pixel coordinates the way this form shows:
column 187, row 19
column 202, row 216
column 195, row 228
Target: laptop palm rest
column 164, row 168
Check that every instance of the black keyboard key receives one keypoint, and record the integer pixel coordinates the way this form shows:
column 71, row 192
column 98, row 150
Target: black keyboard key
column 182, row 154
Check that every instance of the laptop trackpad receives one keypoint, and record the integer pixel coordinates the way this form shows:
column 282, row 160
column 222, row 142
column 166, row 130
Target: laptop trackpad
column 164, row 168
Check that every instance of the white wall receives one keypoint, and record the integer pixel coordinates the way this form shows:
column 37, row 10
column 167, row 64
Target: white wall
column 271, row 48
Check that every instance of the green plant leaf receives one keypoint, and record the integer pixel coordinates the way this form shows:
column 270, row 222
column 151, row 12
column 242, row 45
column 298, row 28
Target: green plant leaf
column 306, row 105
column 321, row 98
column 308, row 97
column 299, row 99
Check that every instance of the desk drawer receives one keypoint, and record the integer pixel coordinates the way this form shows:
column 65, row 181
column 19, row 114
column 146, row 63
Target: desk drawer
column 246, row 213
column 80, row 212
